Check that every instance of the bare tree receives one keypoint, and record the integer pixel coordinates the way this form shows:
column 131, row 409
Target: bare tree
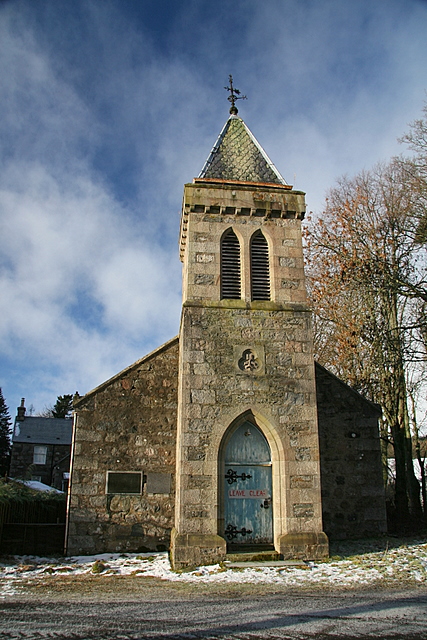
column 367, row 283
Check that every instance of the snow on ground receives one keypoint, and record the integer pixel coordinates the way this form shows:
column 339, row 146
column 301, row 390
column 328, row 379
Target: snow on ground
column 401, row 564
column 38, row 486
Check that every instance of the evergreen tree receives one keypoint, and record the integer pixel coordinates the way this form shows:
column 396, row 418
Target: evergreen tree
column 5, row 446
column 61, row 409
column 63, row 406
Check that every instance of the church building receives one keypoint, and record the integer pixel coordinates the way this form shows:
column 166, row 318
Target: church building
column 229, row 435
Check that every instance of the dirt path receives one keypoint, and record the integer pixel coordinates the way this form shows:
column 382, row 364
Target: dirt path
column 129, row 608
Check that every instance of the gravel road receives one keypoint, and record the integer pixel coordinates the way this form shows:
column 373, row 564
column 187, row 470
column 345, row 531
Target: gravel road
column 128, row 609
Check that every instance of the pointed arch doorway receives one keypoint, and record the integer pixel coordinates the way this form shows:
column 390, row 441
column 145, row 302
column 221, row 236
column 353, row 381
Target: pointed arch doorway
column 247, row 487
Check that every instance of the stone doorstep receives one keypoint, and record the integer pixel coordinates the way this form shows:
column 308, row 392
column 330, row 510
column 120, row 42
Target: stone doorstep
column 248, row 564
column 241, row 558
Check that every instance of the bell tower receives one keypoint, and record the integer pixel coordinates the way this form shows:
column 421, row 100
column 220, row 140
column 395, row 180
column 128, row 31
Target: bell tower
column 247, row 443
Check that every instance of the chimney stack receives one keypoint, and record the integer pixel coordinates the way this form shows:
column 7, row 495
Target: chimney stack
column 21, row 411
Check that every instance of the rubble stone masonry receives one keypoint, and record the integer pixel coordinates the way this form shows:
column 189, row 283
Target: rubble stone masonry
column 353, row 494
column 126, row 425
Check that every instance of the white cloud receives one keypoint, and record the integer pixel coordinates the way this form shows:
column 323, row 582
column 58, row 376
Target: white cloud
column 82, row 278
column 67, row 248
column 106, row 112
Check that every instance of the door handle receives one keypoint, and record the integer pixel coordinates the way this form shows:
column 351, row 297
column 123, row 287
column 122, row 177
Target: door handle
column 266, row 503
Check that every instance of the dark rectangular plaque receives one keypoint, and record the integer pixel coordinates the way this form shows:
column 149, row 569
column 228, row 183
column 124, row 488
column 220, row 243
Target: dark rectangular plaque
column 130, row 482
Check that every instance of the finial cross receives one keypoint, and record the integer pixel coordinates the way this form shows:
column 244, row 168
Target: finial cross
column 234, row 95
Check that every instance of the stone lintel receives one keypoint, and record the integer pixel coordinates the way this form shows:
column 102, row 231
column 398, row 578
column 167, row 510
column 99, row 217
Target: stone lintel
column 304, row 546
column 190, row 550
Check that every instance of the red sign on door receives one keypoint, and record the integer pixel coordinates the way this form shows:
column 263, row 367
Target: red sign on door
column 247, row 493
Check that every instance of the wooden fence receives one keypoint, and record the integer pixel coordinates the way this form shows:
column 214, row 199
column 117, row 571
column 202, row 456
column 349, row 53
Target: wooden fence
column 32, row 528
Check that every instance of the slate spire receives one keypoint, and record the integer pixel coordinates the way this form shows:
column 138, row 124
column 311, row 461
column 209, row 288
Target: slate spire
column 237, row 156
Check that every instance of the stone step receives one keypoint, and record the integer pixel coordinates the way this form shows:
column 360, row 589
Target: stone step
column 257, row 556
column 253, row 556
column 250, row 564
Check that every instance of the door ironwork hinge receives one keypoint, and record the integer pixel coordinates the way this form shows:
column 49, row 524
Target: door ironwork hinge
column 232, row 476
column 232, row 532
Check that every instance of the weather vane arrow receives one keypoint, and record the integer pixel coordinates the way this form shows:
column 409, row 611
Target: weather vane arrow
column 234, row 95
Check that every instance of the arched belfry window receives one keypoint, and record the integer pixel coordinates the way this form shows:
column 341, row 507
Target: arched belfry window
column 230, row 266
column 260, row 268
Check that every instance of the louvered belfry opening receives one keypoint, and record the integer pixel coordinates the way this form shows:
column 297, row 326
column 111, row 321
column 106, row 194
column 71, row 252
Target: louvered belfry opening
column 230, row 266
column 260, row 268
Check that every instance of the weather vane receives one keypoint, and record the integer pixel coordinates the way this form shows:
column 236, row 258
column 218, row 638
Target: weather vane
column 234, row 95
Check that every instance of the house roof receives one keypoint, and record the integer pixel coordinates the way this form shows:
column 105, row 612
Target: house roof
column 238, row 156
column 320, row 369
column 37, row 430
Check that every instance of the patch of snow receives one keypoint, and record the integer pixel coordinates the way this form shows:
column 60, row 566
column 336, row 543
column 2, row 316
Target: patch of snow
column 38, row 486
column 401, row 564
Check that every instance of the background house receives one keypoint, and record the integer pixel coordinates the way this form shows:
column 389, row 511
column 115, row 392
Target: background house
column 41, row 449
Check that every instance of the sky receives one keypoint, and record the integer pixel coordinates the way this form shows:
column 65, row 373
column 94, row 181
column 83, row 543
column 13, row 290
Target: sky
column 108, row 107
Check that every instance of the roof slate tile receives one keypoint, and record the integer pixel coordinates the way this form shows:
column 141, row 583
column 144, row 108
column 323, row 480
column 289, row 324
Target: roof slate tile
column 238, row 156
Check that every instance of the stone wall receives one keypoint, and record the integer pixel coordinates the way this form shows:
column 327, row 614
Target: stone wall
column 353, row 495
column 245, row 357
column 277, row 211
column 280, row 394
column 22, row 465
column 128, row 424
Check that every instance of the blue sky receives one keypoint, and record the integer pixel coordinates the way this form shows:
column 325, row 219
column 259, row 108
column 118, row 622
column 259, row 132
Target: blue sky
column 110, row 106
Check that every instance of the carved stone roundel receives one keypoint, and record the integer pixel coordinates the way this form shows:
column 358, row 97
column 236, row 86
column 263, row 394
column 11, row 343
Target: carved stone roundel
column 249, row 361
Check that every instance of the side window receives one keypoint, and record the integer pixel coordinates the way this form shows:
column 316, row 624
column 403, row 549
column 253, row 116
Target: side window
column 260, row 268
column 39, row 454
column 230, row 266
column 124, row 482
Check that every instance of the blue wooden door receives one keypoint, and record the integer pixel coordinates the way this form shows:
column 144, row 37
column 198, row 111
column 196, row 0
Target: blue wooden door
column 247, row 481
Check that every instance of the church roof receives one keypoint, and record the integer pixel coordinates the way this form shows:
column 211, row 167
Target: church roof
column 238, row 156
column 170, row 343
